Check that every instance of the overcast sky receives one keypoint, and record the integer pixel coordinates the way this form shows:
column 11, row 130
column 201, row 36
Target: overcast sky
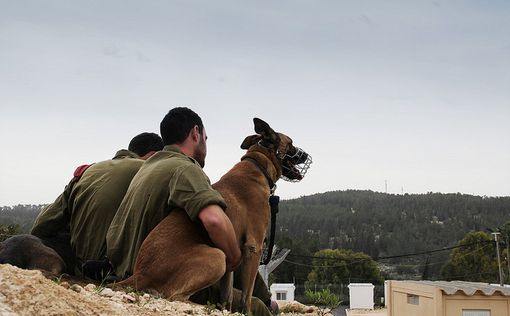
column 415, row 93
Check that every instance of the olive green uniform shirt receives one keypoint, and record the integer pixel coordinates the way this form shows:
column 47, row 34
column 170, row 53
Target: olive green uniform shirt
column 87, row 206
column 168, row 180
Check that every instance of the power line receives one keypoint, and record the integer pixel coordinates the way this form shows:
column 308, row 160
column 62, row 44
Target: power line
column 431, row 251
column 472, row 274
column 398, row 256
column 444, row 261
column 364, row 259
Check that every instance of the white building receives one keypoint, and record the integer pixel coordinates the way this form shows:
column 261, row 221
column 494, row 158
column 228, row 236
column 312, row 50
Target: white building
column 283, row 291
column 361, row 296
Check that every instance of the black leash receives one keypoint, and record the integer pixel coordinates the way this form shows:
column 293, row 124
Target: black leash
column 274, row 200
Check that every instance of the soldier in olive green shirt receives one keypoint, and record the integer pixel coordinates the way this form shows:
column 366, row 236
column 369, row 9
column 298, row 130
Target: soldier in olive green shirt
column 167, row 180
column 89, row 202
column 174, row 179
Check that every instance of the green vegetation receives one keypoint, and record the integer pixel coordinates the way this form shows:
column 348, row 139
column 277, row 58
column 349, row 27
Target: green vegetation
column 323, row 298
column 209, row 308
column 103, row 285
column 476, row 261
column 7, row 231
column 381, row 225
column 336, row 266
column 21, row 215
column 58, row 279
column 373, row 225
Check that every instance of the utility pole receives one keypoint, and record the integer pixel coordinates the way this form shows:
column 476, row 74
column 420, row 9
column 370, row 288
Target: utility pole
column 505, row 232
column 507, row 257
column 385, row 186
column 499, row 260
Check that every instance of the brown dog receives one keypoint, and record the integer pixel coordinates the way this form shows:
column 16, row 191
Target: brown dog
column 177, row 258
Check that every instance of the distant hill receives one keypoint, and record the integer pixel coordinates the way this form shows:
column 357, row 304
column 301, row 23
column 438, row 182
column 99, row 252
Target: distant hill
column 382, row 224
column 22, row 215
column 377, row 224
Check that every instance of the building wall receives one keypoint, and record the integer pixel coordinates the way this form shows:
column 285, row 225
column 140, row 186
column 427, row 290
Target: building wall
column 282, row 290
column 497, row 304
column 432, row 302
column 413, row 299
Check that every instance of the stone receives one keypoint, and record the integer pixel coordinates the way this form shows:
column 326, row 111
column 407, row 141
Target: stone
column 76, row 288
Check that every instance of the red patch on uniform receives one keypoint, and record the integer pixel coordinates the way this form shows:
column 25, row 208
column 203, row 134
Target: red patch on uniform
column 80, row 170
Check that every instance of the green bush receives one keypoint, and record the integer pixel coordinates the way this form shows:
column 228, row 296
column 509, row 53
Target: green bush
column 323, row 298
column 7, row 231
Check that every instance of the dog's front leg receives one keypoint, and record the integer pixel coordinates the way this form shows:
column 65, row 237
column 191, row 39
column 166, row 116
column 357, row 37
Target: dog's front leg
column 251, row 259
column 226, row 289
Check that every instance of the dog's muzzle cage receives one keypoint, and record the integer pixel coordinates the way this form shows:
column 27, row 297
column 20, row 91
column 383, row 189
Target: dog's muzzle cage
column 299, row 162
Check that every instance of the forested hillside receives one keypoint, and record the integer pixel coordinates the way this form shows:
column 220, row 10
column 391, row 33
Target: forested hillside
column 377, row 224
column 384, row 224
column 381, row 225
column 21, row 215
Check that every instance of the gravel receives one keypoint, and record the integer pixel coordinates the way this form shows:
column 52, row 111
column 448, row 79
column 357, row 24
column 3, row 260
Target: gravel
column 28, row 292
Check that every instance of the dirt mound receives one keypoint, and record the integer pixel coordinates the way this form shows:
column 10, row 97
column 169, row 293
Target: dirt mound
column 28, row 292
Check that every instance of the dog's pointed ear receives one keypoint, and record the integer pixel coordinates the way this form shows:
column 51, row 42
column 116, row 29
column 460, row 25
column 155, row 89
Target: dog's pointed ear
column 266, row 131
column 250, row 140
column 261, row 127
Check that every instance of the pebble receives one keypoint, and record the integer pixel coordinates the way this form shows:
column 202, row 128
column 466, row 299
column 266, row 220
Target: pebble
column 126, row 298
column 107, row 292
column 76, row 288
column 65, row 285
column 90, row 287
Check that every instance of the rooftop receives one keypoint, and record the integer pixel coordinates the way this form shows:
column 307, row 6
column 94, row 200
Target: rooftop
column 468, row 288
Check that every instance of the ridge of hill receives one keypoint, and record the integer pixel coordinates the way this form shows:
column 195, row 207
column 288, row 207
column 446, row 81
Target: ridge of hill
column 381, row 224
column 375, row 223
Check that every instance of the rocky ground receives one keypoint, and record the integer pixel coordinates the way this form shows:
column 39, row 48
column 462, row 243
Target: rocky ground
column 28, row 292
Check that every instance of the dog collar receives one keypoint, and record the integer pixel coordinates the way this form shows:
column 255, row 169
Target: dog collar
column 270, row 182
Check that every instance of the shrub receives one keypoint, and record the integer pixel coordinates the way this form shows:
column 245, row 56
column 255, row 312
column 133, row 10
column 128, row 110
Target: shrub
column 323, row 298
column 7, row 231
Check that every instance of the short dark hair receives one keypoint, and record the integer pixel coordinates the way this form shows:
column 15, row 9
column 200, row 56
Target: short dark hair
column 177, row 124
column 144, row 143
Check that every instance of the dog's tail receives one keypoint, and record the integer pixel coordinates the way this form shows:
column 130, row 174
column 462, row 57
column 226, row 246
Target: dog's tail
column 134, row 282
column 137, row 283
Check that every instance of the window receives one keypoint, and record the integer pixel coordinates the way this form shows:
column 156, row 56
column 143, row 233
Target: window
column 413, row 299
column 472, row 312
column 281, row 296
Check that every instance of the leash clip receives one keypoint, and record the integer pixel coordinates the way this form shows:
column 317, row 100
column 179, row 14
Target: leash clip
column 272, row 190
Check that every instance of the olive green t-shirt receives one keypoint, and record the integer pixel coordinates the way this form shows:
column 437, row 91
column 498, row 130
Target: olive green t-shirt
column 166, row 181
column 88, row 205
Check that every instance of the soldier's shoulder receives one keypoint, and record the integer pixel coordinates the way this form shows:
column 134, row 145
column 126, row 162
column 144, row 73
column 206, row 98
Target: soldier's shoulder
column 173, row 158
column 78, row 172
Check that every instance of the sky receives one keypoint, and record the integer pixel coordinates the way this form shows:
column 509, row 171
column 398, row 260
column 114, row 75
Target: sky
column 391, row 96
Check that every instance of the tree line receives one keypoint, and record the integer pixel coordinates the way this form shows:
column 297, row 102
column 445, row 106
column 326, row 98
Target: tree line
column 21, row 216
column 383, row 226
column 402, row 236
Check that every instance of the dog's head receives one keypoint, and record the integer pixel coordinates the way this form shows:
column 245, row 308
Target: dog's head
column 293, row 161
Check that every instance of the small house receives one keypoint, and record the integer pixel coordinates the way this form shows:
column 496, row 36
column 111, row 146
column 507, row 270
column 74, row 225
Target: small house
column 283, row 291
column 442, row 298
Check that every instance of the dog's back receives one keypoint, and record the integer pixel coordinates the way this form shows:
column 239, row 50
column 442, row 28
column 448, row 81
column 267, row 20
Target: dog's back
column 28, row 252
